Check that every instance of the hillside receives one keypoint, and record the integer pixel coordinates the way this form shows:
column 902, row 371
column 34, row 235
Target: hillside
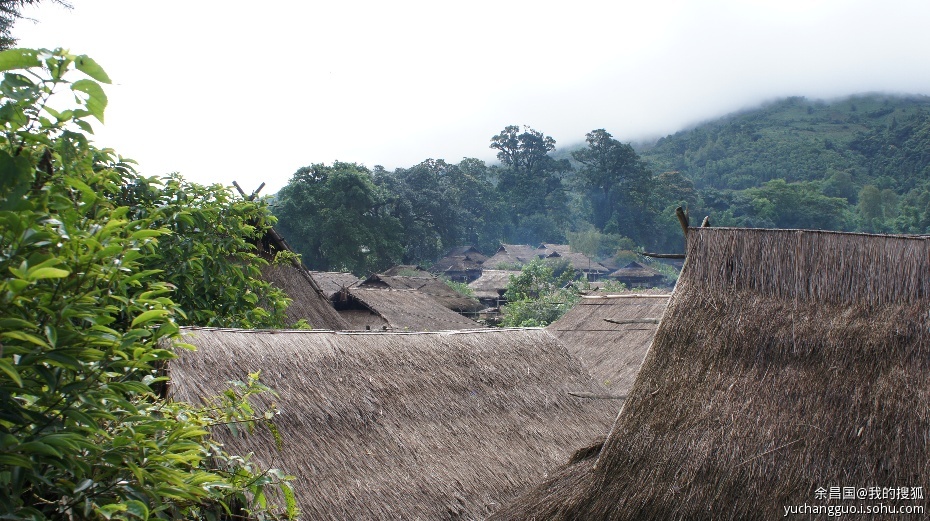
column 860, row 163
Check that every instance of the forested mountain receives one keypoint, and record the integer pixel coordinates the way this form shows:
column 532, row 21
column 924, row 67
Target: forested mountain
column 857, row 164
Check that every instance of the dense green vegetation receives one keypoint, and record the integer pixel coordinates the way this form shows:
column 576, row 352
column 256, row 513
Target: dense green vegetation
column 347, row 216
column 99, row 268
column 542, row 292
column 859, row 164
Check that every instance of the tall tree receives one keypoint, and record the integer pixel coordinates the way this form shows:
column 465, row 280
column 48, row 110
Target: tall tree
column 618, row 183
column 530, row 182
column 337, row 218
column 420, row 201
column 440, row 206
column 478, row 205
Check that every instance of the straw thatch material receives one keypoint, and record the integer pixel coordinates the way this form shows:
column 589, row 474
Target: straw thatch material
column 332, row 282
column 429, row 285
column 786, row 361
column 492, row 284
column 578, row 261
column 407, row 270
column 462, row 264
column 401, row 310
column 512, row 255
column 611, row 352
column 307, row 302
column 403, row 426
column 635, row 274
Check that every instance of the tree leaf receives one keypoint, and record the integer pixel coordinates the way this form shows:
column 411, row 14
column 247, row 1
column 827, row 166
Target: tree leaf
column 38, row 447
column 96, row 100
column 137, row 508
column 19, row 59
column 48, row 273
column 149, row 315
column 11, row 371
column 88, row 66
column 107, row 511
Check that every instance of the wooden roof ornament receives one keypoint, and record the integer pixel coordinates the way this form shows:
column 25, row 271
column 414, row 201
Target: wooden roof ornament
column 307, row 299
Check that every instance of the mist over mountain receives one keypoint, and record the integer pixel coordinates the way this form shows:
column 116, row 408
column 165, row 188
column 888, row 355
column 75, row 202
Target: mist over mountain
column 868, row 152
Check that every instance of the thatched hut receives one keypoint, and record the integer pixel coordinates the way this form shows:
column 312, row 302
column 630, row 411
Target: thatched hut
column 790, row 367
column 491, row 286
column 428, row 285
column 402, row 426
column 332, row 282
column 365, row 308
column 581, row 263
column 510, row 256
column 610, row 334
column 463, row 264
column 407, row 270
column 307, row 301
column 635, row 275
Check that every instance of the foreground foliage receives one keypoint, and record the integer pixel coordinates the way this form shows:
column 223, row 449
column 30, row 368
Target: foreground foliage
column 85, row 313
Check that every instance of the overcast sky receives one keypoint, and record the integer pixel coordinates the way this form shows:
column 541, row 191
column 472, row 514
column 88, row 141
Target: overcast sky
column 228, row 90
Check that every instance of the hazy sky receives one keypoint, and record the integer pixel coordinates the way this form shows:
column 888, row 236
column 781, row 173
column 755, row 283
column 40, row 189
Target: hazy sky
column 224, row 91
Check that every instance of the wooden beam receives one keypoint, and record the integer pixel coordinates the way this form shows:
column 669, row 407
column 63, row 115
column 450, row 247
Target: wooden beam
column 663, row 255
column 632, row 320
column 593, row 396
column 683, row 220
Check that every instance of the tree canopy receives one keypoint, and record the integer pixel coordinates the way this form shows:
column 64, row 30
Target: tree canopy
column 339, row 219
column 90, row 307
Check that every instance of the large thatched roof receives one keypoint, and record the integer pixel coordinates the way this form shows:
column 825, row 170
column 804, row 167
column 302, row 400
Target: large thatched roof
column 462, row 262
column 636, row 273
column 332, row 282
column 512, row 255
column 308, row 303
column 578, row 261
column 402, row 310
column 786, row 362
column 492, row 283
column 407, row 270
column 610, row 334
column 428, row 285
column 403, row 426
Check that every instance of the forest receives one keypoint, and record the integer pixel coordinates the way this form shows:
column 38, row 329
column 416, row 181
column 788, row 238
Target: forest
column 856, row 164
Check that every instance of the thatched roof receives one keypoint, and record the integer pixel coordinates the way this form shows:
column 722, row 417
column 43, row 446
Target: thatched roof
column 512, row 255
column 466, row 250
column 307, row 301
column 787, row 361
column 636, row 272
column 455, row 263
column 332, row 282
column 612, row 352
column 429, row 285
column 407, row 270
column 402, row 426
column 492, row 283
column 578, row 261
column 402, row 310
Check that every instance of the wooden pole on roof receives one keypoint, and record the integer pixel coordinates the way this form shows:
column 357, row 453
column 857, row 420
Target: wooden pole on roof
column 281, row 245
column 683, row 220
